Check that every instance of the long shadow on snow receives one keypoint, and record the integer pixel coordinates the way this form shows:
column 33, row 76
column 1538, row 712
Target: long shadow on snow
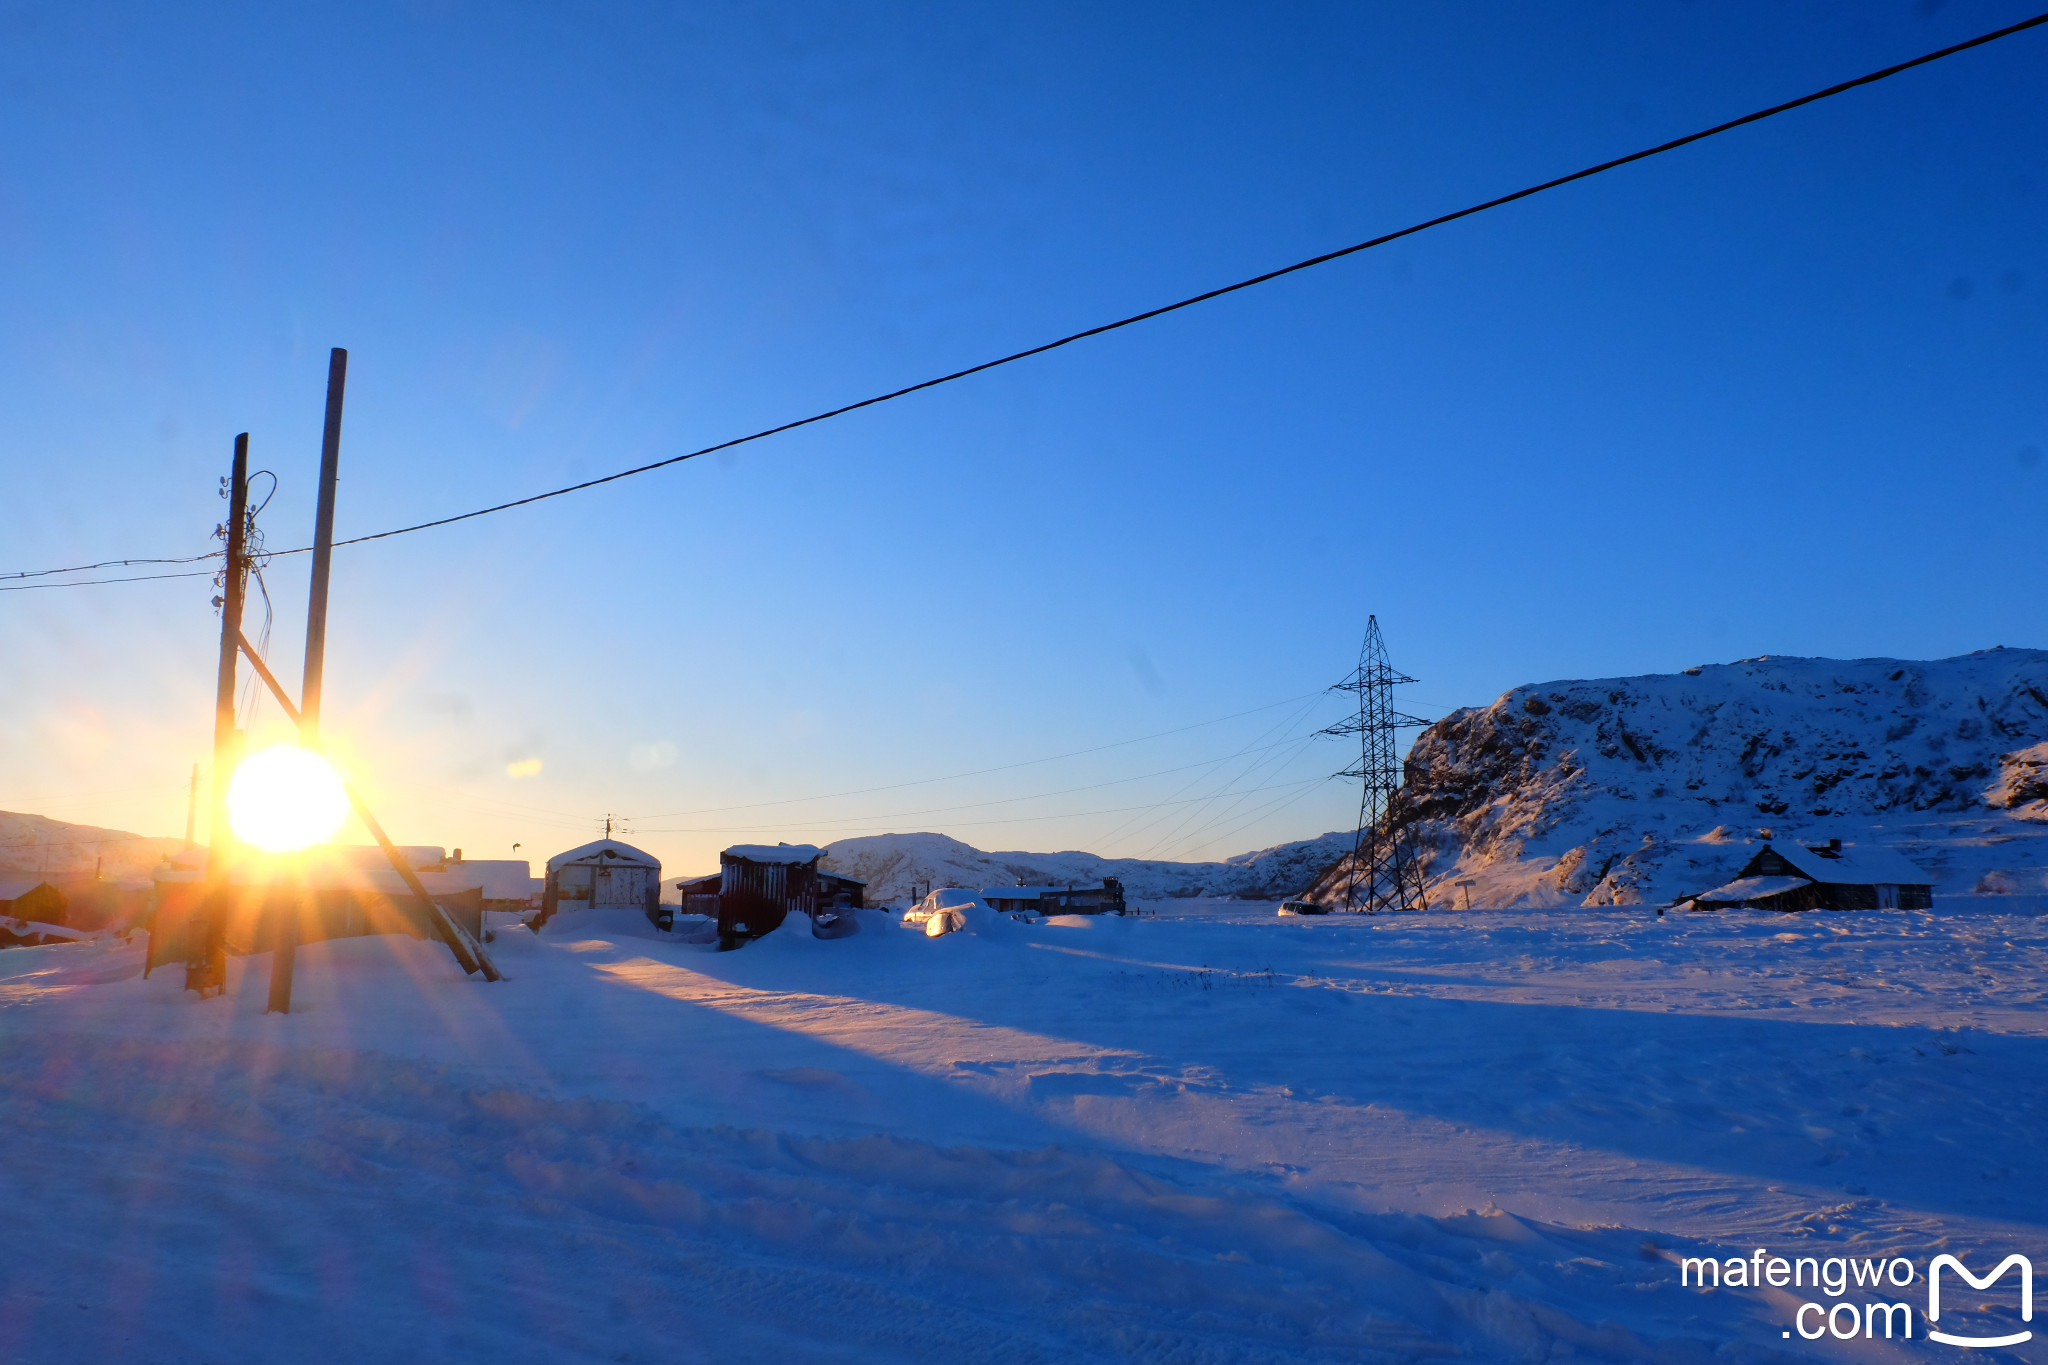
column 1945, row 1121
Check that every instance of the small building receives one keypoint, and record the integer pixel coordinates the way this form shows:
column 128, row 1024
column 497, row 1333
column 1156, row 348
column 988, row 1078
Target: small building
column 761, row 885
column 837, row 893
column 1010, row 900
column 602, row 873
column 1096, row 898
column 354, row 892
column 699, row 895
column 1830, row 876
column 35, row 900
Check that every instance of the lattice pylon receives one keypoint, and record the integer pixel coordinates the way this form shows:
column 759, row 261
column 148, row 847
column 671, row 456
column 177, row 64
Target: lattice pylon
column 1382, row 874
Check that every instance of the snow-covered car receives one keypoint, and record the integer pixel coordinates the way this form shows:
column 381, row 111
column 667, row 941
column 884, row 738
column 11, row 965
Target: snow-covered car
column 1302, row 908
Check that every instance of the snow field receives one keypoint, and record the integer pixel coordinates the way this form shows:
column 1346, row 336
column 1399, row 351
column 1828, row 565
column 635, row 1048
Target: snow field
column 1212, row 1135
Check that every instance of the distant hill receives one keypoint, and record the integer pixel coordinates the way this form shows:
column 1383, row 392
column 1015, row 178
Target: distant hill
column 1616, row 791
column 35, row 845
column 891, row 863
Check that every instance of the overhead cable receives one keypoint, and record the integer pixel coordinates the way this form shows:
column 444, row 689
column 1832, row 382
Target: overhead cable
column 1266, row 277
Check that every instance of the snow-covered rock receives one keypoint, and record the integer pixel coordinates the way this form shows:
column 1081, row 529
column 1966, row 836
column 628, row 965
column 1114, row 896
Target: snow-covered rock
column 891, row 864
column 1618, row 791
column 37, row 846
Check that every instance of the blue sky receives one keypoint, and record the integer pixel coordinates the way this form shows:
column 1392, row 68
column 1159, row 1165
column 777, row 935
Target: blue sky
column 1778, row 393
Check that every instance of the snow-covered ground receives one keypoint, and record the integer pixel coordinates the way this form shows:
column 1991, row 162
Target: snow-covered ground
column 1205, row 1134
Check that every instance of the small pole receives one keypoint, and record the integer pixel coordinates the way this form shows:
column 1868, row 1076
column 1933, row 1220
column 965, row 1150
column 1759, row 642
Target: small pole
column 284, row 953
column 206, row 966
column 191, row 805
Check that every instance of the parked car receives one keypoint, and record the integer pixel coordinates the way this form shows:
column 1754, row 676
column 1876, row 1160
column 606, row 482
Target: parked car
column 1302, row 908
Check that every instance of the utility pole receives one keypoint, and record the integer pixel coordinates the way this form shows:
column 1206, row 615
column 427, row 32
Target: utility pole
column 191, row 806
column 284, row 955
column 206, row 963
column 323, row 553
column 1380, row 858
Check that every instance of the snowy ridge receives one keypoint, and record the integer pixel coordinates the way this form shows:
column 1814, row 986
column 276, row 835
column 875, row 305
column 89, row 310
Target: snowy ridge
column 35, row 846
column 892, row 863
column 1619, row 791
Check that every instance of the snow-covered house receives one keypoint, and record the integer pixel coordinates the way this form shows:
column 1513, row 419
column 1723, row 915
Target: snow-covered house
column 605, row 872
column 34, row 899
column 1094, row 898
column 355, row 891
column 1828, row 876
column 760, row 885
column 504, row 884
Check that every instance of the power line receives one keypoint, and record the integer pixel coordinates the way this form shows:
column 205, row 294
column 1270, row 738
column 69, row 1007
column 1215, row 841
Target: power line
column 979, row 772
column 1296, row 742
column 107, row 564
column 96, row 582
column 1673, row 145
column 969, row 824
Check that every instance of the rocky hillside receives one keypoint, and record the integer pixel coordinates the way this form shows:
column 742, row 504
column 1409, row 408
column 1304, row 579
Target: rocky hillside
column 1619, row 791
column 891, row 863
column 35, row 846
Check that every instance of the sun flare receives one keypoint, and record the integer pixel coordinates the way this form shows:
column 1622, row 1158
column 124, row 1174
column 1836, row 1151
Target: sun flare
column 285, row 798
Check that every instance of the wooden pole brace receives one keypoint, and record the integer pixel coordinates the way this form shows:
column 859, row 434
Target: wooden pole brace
column 467, row 950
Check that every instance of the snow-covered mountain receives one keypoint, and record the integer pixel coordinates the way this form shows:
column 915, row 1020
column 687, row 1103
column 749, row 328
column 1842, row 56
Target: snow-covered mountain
column 892, row 863
column 1620, row 791
column 33, row 846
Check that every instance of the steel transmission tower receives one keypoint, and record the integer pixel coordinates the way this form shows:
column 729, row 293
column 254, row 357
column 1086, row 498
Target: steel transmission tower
column 1382, row 875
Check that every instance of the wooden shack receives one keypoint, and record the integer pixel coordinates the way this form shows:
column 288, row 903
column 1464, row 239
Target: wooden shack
column 353, row 892
column 35, row 899
column 1830, row 876
column 761, row 884
column 602, row 873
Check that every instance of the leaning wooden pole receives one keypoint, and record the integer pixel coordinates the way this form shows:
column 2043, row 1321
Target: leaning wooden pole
column 206, row 961
column 467, row 950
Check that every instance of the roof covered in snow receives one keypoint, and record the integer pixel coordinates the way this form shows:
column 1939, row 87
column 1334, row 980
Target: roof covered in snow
column 604, row 853
column 500, row 879
column 26, row 927
column 1853, row 864
column 775, row 853
column 1751, row 889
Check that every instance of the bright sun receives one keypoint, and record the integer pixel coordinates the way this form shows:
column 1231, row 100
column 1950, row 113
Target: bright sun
column 285, row 798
